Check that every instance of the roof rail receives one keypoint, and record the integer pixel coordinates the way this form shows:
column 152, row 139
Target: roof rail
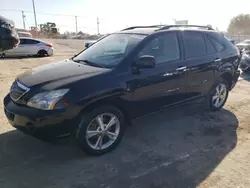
column 170, row 26
column 149, row 26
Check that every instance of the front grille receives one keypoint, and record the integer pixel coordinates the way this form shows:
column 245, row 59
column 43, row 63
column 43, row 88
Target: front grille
column 17, row 90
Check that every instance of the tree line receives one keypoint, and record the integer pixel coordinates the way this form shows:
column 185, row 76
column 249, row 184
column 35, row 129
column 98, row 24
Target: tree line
column 239, row 25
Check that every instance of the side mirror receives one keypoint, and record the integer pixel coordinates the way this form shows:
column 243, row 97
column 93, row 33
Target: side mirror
column 145, row 62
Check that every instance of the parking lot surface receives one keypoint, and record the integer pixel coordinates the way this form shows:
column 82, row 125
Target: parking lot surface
column 184, row 147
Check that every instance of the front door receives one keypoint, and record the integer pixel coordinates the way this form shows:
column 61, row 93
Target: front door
column 16, row 51
column 166, row 83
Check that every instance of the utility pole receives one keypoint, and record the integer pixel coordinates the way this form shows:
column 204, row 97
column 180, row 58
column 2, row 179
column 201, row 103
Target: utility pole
column 23, row 19
column 76, row 25
column 97, row 22
column 34, row 10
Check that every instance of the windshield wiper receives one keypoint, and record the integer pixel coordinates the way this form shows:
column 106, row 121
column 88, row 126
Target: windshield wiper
column 87, row 62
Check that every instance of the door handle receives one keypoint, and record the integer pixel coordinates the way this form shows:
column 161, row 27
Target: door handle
column 217, row 60
column 182, row 68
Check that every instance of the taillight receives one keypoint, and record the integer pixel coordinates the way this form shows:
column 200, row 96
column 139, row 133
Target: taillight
column 49, row 45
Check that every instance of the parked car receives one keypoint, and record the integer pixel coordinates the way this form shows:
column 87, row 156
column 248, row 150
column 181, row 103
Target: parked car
column 9, row 38
column 89, row 43
column 245, row 61
column 29, row 47
column 243, row 45
column 25, row 34
column 125, row 75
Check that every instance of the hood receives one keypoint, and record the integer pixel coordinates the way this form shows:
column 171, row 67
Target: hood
column 62, row 72
column 242, row 44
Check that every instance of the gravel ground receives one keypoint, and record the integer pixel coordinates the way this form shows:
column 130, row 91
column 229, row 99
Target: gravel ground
column 184, row 147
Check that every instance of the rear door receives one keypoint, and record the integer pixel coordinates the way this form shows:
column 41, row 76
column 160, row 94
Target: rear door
column 30, row 47
column 166, row 83
column 200, row 56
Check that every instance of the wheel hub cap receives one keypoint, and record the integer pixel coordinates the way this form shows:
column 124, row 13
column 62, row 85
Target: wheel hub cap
column 220, row 95
column 103, row 131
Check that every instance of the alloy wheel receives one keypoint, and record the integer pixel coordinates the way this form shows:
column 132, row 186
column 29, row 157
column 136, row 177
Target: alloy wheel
column 103, row 131
column 220, row 95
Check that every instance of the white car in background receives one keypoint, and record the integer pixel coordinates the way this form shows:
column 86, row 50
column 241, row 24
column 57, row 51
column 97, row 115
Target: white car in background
column 30, row 47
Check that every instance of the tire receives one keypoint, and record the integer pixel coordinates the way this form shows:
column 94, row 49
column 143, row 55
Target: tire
column 221, row 97
column 89, row 121
column 42, row 53
column 2, row 55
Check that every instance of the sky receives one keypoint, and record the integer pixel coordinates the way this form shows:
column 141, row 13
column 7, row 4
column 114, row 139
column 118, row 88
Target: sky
column 115, row 15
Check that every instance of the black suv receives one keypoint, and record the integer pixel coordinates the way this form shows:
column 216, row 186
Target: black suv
column 124, row 75
column 8, row 35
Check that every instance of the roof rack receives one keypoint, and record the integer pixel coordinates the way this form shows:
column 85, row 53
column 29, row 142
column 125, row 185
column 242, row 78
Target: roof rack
column 200, row 26
column 135, row 27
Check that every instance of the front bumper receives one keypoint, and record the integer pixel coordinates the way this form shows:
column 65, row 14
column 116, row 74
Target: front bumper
column 244, row 66
column 46, row 125
column 244, row 63
column 235, row 79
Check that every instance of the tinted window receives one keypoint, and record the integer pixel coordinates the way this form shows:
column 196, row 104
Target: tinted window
column 210, row 47
column 219, row 47
column 194, row 44
column 110, row 50
column 22, row 41
column 30, row 41
column 163, row 47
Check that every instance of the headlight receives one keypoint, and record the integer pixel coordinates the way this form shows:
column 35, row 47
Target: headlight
column 47, row 100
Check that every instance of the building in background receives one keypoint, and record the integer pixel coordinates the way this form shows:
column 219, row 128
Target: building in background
column 181, row 22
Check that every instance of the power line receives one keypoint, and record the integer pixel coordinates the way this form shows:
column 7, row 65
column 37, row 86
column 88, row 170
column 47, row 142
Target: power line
column 44, row 13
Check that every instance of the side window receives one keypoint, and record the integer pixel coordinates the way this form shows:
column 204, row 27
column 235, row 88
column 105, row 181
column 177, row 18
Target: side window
column 210, row 47
column 219, row 47
column 164, row 48
column 29, row 41
column 22, row 41
column 194, row 44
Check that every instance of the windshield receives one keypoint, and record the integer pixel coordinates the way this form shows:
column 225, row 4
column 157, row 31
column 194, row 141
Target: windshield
column 110, row 51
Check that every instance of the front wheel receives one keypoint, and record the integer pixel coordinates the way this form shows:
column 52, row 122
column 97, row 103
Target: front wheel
column 218, row 95
column 101, row 130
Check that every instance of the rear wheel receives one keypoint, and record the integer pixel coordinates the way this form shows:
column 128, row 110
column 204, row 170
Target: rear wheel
column 218, row 95
column 101, row 130
column 42, row 53
column 2, row 55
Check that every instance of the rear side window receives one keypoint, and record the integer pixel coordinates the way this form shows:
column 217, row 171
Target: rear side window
column 210, row 47
column 194, row 44
column 29, row 41
column 218, row 46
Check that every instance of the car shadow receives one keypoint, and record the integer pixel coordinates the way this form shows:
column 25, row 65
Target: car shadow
column 22, row 57
column 171, row 148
